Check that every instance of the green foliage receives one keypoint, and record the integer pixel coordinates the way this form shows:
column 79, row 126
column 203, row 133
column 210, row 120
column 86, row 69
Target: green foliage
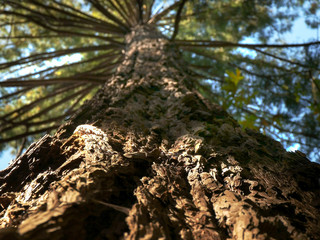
column 232, row 81
column 280, row 83
column 57, row 53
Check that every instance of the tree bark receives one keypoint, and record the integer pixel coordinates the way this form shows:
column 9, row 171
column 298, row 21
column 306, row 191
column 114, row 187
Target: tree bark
column 149, row 158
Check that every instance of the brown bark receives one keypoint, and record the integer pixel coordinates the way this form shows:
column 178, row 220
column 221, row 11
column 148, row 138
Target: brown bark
column 149, row 158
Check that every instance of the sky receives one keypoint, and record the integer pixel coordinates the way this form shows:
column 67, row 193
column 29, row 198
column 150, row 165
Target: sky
column 300, row 33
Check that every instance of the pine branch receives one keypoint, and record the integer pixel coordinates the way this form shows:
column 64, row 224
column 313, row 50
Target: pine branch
column 57, row 53
column 28, row 107
column 159, row 15
column 51, row 81
column 204, row 43
column 281, row 58
column 10, row 95
column 133, row 13
column 121, row 10
column 109, row 15
column 26, row 121
column 26, row 134
column 177, row 20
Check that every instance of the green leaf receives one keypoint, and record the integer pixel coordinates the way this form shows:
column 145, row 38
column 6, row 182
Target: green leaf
column 235, row 78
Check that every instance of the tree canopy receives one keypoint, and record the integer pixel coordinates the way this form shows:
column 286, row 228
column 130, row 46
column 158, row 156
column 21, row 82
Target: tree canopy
column 56, row 54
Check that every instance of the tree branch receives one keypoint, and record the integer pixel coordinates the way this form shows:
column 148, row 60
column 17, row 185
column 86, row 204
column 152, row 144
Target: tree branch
column 204, row 43
column 177, row 20
column 19, row 136
column 158, row 16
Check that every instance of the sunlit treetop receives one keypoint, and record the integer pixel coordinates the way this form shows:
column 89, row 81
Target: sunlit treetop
column 56, row 54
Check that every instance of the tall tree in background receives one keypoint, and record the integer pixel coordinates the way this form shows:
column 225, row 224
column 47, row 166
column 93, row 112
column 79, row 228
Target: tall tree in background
column 150, row 155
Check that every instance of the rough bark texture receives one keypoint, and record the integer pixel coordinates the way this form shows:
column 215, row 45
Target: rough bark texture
column 149, row 158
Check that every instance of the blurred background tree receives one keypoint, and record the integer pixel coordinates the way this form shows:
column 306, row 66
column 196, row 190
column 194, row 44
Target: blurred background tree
column 56, row 54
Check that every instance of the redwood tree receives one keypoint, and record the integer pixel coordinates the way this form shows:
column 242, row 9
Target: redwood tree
column 148, row 157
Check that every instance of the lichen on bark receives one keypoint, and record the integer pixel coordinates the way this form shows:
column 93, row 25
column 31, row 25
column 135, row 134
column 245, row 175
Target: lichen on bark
column 149, row 158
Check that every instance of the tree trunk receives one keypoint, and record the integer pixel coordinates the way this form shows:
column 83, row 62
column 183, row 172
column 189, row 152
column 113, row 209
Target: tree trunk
column 149, row 158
